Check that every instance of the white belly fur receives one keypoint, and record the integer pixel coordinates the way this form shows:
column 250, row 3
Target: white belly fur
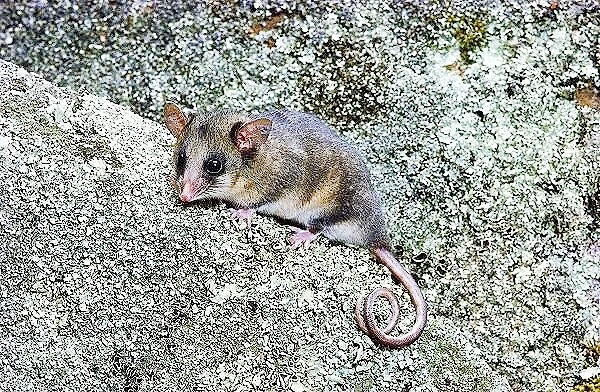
column 348, row 232
column 290, row 208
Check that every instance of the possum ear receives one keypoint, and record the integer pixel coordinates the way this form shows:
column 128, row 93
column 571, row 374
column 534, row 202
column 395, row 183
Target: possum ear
column 175, row 119
column 249, row 136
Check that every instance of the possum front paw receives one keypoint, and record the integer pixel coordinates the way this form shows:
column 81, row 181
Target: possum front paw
column 302, row 238
column 243, row 215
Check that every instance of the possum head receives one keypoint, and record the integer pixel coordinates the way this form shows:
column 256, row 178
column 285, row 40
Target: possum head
column 212, row 150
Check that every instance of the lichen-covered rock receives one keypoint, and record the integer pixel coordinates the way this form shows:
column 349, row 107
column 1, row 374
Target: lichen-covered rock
column 481, row 127
column 107, row 283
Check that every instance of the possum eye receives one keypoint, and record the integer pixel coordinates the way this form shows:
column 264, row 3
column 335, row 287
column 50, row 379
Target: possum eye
column 181, row 160
column 213, row 166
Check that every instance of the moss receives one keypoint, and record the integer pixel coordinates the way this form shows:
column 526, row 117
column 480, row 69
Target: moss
column 592, row 354
column 588, row 386
column 595, row 350
column 470, row 33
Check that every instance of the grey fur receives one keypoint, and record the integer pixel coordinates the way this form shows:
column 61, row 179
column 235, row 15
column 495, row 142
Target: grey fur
column 303, row 162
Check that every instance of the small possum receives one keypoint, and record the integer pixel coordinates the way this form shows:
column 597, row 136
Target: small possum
column 292, row 166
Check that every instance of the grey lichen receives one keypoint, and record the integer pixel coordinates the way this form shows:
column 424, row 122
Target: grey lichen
column 488, row 171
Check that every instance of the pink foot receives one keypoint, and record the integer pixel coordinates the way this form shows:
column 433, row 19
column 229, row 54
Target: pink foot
column 244, row 214
column 302, row 238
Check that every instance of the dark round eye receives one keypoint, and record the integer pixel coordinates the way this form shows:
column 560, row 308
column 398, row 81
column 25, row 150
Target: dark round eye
column 181, row 160
column 213, row 166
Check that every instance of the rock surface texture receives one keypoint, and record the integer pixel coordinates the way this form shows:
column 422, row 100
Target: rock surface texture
column 481, row 126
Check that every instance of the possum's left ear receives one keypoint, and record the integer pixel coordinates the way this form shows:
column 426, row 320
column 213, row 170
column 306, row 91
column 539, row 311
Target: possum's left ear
column 250, row 136
column 175, row 119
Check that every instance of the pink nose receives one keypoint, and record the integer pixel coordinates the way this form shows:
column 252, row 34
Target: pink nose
column 187, row 193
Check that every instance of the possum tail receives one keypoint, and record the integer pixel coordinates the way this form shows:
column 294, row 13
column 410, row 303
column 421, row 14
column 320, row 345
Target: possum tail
column 365, row 317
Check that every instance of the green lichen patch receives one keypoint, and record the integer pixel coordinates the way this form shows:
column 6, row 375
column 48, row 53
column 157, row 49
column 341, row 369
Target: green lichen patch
column 593, row 351
column 588, row 386
column 470, row 33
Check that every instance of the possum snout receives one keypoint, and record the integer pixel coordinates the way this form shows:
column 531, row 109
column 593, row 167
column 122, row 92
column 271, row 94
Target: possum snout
column 191, row 191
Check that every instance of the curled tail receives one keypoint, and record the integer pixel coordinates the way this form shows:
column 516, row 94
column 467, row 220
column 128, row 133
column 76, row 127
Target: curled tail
column 365, row 317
